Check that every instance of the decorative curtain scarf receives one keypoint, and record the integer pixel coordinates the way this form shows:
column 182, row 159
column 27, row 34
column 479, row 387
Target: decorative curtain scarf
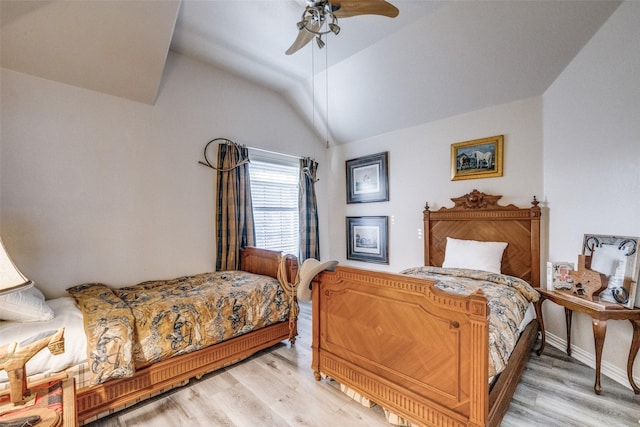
column 308, row 207
column 234, row 211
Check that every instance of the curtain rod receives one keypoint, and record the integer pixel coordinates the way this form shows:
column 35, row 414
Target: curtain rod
column 230, row 142
column 305, row 169
column 274, row 152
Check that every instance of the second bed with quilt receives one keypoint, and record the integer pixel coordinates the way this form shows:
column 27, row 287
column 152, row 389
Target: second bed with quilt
column 445, row 344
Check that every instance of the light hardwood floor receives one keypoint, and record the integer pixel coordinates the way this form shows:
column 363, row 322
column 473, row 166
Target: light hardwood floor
column 276, row 388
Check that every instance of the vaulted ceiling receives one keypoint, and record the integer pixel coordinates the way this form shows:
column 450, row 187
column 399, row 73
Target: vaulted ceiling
column 436, row 59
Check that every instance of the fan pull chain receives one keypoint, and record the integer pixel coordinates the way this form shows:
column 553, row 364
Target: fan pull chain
column 313, row 88
column 326, row 75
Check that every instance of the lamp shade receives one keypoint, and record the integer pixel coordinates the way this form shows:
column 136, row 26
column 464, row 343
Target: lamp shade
column 11, row 279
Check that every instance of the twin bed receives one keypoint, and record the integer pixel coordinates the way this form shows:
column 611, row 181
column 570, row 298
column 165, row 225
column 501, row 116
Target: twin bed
column 149, row 338
column 414, row 343
column 425, row 354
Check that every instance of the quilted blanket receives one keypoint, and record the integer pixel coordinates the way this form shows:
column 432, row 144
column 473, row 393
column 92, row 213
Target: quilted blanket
column 133, row 327
column 508, row 298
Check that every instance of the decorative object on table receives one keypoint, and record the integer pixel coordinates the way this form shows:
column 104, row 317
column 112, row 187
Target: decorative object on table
column 20, row 421
column 478, row 158
column 558, row 275
column 617, row 258
column 367, row 239
column 368, row 179
column 44, row 410
column 41, row 417
column 19, row 408
column 14, row 357
column 587, row 283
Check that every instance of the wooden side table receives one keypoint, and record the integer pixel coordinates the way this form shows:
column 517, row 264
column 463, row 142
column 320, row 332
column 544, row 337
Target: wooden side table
column 600, row 312
column 55, row 404
column 69, row 413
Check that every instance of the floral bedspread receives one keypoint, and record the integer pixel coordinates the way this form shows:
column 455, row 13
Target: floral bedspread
column 507, row 296
column 172, row 317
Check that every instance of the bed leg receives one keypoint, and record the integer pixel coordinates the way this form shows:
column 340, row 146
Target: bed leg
column 317, row 376
column 293, row 331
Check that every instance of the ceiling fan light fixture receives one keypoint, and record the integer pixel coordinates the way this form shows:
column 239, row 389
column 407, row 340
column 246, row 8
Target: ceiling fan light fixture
column 315, row 16
column 319, row 18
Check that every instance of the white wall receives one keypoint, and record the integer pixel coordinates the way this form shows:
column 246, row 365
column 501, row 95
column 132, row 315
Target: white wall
column 99, row 188
column 591, row 161
column 420, row 172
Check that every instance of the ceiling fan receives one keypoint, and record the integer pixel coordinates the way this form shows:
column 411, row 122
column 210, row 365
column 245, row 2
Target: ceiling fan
column 317, row 13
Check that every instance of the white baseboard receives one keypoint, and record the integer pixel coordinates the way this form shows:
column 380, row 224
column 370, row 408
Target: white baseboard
column 589, row 359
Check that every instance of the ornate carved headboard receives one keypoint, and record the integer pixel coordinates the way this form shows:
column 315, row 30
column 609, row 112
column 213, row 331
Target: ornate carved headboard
column 478, row 216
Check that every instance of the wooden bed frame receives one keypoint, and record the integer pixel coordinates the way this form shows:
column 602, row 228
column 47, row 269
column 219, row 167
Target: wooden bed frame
column 97, row 401
column 419, row 352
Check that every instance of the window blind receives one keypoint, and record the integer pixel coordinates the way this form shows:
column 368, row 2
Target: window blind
column 274, row 194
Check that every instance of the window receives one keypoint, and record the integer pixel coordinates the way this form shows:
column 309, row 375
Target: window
column 274, row 194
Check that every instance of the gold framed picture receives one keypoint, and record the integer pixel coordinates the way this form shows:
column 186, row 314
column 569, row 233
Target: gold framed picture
column 478, row 158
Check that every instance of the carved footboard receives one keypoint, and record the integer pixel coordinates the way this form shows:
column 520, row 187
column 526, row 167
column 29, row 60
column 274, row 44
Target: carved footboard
column 417, row 351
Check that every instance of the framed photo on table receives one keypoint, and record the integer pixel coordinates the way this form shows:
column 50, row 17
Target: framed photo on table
column 368, row 179
column 558, row 276
column 479, row 158
column 367, row 239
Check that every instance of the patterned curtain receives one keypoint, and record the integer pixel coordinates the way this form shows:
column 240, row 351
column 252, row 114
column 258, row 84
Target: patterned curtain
column 308, row 207
column 234, row 211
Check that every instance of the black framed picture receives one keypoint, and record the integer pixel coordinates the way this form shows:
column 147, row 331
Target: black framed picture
column 368, row 179
column 367, row 239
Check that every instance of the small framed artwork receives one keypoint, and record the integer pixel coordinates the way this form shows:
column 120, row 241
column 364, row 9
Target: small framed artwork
column 558, row 276
column 367, row 238
column 479, row 158
column 617, row 258
column 368, row 179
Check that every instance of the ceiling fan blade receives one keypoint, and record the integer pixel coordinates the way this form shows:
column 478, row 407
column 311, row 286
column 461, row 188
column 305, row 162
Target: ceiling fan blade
column 348, row 8
column 303, row 38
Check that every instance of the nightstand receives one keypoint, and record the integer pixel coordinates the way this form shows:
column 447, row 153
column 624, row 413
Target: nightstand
column 600, row 312
column 55, row 404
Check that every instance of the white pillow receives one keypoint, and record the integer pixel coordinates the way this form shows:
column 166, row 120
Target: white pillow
column 25, row 306
column 474, row 255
